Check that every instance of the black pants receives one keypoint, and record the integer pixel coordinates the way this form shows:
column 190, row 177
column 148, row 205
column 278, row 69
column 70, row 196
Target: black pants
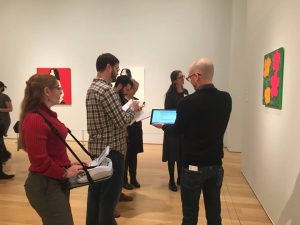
column 131, row 165
column 3, row 151
column 171, row 168
column 104, row 196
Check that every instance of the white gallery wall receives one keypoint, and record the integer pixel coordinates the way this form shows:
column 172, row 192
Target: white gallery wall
column 237, row 79
column 158, row 35
column 270, row 137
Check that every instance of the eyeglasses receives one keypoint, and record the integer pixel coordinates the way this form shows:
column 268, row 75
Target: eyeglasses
column 190, row 76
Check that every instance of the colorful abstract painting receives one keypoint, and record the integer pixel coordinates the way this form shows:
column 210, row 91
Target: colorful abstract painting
column 273, row 79
column 63, row 75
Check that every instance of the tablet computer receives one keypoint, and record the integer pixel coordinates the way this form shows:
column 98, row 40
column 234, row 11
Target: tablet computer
column 164, row 116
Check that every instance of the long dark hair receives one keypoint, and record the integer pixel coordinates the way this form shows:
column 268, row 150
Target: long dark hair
column 173, row 77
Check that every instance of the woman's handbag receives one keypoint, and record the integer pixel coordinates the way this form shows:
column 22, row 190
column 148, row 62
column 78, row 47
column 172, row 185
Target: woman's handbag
column 99, row 169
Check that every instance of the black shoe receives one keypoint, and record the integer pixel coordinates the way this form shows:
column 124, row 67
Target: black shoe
column 172, row 186
column 135, row 183
column 125, row 198
column 127, row 186
column 4, row 176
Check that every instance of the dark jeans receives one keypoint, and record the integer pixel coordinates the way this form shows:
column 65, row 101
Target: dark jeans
column 209, row 180
column 49, row 199
column 104, row 196
column 131, row 165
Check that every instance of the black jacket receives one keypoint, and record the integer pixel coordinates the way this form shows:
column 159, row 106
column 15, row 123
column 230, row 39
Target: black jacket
column 135, row 137
column 202, row 118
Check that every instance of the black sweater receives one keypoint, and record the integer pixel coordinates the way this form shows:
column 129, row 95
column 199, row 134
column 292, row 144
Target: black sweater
column 202, row 118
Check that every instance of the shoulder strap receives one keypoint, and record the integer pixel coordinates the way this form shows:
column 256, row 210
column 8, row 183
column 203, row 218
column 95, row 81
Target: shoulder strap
column 55, row 131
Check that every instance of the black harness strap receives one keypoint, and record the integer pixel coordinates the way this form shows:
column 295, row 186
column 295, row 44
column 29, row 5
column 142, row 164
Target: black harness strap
column 68, row 146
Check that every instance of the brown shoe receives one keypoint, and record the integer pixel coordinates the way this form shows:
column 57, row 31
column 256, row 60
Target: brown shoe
column 125, row 198
column 117, row 214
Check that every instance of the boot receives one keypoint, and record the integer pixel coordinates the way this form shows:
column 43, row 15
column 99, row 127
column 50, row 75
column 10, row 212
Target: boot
column 5, row 155
column 172, row 186
column 128, row 186
column 135, row 183
column 4, row 176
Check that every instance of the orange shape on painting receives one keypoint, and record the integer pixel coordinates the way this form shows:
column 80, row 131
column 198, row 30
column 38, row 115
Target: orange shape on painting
column 267, row 66
column 267, row 95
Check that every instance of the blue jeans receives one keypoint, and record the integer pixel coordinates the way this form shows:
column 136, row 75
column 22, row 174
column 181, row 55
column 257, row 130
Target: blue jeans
column 104, row 196
column 209, row 180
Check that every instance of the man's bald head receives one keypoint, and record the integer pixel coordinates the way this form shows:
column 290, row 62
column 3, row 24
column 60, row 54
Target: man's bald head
column 205, row 67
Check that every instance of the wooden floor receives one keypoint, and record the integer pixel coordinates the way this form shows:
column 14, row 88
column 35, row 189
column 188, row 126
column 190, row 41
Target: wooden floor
column 153, row 203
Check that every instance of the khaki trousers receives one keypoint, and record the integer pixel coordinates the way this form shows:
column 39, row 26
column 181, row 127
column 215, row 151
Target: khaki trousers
column 49, row 199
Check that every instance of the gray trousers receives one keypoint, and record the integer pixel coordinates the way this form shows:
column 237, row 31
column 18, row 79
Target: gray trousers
column 49, row 199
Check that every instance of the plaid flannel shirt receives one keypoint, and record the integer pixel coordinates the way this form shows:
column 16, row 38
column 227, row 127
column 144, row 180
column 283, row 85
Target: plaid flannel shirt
column 106, row 120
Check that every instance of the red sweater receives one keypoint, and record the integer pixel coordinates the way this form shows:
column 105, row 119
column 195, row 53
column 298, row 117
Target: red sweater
column 47, row 154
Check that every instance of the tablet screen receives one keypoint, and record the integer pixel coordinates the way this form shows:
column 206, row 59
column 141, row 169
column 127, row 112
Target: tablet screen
column 164, row 116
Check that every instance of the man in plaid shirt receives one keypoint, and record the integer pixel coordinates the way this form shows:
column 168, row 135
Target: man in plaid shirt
column 106, row 122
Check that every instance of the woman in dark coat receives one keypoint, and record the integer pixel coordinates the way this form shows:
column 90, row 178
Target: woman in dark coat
column 134, row 145
column 172, row 145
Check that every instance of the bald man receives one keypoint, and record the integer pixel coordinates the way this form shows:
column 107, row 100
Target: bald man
column 202, row 118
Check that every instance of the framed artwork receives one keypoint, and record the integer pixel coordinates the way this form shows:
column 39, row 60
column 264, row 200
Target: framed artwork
column 63, row 75
column 273, row 78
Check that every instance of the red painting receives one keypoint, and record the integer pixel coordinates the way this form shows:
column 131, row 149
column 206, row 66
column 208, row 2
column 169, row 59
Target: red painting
column 63, row 75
